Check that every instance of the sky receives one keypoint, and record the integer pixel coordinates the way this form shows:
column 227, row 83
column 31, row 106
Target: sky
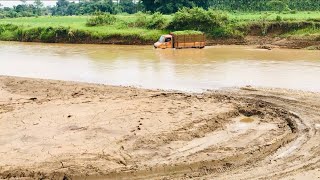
column 11, row 3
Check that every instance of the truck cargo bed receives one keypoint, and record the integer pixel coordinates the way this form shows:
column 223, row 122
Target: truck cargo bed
column 189, row 41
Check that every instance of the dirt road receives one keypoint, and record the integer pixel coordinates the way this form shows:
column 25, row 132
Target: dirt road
column 64, row 130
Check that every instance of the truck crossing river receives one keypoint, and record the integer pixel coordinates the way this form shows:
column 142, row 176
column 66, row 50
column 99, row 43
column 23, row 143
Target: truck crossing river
column 182, row 39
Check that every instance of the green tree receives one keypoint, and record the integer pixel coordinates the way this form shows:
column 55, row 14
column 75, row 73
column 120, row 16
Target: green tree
column 171, row 6
column 39, row 5
column 23, row 1
column 61, row 8
column 278, row 5
column 127, row 6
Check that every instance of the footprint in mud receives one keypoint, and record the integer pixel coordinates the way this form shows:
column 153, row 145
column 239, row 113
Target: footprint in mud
column 139, row 126
column 247, row 120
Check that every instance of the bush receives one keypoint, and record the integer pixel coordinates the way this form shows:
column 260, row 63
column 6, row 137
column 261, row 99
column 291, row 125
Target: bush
column 48, row 35
column 278, row 5
column 278, row 18
column 293, row 12
column 227, row 32
column 157, row 21
column 101, row 19
column 141, row 20
column 7, row 36
column 2, row 15
column 198, row 19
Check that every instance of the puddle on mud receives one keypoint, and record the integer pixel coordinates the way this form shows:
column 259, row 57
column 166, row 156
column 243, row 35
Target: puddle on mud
column 247, row 120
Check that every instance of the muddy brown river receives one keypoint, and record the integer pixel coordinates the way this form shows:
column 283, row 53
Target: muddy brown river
column 67, row 130
column 142, row 66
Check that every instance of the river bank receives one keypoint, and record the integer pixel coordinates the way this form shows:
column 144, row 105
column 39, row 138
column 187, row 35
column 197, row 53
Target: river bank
column 262, row 29
column 269, row 42
column 260, row 42
column 67, row 130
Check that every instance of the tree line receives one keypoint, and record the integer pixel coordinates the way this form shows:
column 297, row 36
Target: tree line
column 82, row 7
column 266, row 5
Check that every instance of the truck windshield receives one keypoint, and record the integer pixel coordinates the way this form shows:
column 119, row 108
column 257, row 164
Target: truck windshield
column 161, row 39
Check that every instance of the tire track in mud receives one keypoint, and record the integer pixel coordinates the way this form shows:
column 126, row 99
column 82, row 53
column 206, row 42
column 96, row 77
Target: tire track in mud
column 282, row 139
column 299, row 155
column 175, row 168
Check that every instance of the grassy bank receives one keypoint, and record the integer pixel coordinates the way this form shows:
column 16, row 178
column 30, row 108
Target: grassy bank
column 73, row 29
column 145, row 29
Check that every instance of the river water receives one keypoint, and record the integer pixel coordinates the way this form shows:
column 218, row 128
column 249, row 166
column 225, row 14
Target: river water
column 142, row 66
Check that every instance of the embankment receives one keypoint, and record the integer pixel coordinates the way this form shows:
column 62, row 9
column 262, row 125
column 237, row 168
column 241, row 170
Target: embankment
column 263, row 34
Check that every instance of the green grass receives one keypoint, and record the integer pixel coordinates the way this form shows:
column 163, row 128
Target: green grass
column 123, row 29
column 79, row 23
column 187, row 32
column 72, row 21
column 292, row 24
column 271, row 16
column 310, row 33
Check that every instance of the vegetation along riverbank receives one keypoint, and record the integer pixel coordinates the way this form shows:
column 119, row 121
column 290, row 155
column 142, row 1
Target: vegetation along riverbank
column 280, row 25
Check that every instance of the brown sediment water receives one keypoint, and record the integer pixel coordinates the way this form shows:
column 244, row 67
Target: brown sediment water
column 142, row 66
column 247, row 120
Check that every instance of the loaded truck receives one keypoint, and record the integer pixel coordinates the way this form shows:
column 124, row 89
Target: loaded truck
column 182, row 39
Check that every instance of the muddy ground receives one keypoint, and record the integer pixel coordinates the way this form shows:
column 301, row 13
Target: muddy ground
column 269, row 42
column 65, row 130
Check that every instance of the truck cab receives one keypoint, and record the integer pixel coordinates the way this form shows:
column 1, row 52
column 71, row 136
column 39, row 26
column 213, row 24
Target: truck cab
column 165, row 41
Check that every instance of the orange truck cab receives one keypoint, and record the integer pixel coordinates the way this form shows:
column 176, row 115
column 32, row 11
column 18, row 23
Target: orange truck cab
column 165, row 41
column 177, row 41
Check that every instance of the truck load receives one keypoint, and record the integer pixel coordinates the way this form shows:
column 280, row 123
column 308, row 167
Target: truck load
column 182, row 39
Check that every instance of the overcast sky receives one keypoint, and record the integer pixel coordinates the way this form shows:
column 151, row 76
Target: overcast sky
column 8, row 3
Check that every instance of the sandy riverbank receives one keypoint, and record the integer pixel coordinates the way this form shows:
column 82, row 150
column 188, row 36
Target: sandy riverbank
column 269, row 42
column 65, row 130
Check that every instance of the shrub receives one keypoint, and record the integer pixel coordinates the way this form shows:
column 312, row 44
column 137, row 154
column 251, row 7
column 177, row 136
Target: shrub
column 141, row 20
column 77, row 35
column 198, row 19
column 2, row 29
column 228, row 32
column 293, row 12
column 7, row 36
column 122, row 24
column 157, row 21
column 48, row 35
column 278, row 18
column 278, row 5
column 101, row 19
column 2, row 15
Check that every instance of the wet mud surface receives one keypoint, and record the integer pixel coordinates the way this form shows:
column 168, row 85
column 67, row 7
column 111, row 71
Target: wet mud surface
column 65, row 130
